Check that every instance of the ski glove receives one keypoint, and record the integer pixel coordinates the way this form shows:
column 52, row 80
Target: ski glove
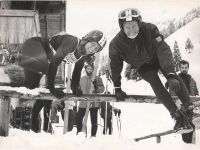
column 77, row 91
column 57, row 92
column 119, row 94
column 95, row 85
column 173, row 83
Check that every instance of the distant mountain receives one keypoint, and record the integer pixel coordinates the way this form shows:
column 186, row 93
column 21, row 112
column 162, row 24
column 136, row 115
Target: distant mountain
column 172, row 25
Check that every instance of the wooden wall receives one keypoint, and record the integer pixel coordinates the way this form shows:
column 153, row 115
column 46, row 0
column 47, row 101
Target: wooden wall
column 18, row 25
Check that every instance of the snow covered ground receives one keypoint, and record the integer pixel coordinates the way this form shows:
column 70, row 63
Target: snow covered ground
column 137, row 120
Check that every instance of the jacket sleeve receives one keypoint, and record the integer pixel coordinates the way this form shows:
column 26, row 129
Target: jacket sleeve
column 76, row 75
column 53, row 66
column 171, row 92
column 116, row 65
column 163, row 51
column 196, row 89
column 100, row 86
column 66, row 47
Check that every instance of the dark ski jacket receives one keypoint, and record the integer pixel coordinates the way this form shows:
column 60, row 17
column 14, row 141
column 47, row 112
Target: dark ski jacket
column 42, row 55
column 65, row 44
column 190, row 84
column 147, row 47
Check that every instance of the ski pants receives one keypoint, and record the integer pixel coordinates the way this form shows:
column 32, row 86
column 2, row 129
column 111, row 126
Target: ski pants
column 39, row 104
column 93, row 117
column 109, row 124
column 35, row 53
column 149, row 72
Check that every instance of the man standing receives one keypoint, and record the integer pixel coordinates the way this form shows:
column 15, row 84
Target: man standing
column 41, row 56
column 88, row 85
column 192, row 89
column 141, row 45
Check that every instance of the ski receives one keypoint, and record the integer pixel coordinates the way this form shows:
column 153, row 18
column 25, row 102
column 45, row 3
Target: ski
column 156, row 135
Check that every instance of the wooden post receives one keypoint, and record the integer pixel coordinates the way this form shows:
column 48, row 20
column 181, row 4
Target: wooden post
column 4, row 115
column 66, row 115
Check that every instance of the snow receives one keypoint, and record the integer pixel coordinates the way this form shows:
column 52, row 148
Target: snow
column 153, row 118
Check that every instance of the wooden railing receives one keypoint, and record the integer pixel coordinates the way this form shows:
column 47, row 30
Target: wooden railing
column 5, row 96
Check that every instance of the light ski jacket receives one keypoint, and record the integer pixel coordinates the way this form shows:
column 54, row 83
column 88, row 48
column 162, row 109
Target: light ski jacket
column 86, row 84
column 148, row 47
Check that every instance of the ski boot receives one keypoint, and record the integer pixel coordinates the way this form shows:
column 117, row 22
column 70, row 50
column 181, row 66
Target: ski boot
column 193, row 112
column 183, row 124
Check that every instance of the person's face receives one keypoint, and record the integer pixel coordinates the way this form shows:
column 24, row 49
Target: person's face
column 89, row 70
column 131, row 29
column 91, row 47
column 184, row 68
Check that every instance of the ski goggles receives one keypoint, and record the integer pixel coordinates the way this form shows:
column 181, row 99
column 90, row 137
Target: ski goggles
column 128, row 14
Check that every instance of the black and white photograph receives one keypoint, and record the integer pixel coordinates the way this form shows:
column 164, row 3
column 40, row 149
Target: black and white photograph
column 99, row 74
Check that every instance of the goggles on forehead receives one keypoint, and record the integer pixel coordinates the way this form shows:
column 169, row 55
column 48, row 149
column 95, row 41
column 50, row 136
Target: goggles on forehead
column 128, row 14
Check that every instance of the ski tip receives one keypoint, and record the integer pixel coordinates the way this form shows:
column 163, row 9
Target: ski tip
column 136, row 140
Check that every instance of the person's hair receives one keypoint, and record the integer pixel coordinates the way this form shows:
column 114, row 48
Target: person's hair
column 183, row 62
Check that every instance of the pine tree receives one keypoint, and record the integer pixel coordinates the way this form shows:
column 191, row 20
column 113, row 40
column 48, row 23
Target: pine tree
column 189, row 46
column 128, row 71
column 132, row 74
column 177, row 56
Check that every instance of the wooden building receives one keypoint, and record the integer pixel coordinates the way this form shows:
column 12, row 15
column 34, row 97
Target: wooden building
column 51, row 15
column 20, row 20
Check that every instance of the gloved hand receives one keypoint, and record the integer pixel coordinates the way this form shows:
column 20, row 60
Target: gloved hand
column 95, row 85
column 166, row 85
column 57, row 92
column 77, row 91
column 119, row 94
column 117, row 112
column 173, row 84
column 58, row 104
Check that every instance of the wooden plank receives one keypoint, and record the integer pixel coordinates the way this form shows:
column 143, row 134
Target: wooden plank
column 17, row 13
column 54, row 24
column 37, row 25
column 4, row 116
column 18, row 28
column 12, row 92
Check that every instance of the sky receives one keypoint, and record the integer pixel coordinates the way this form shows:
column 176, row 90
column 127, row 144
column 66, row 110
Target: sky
column 86, row 15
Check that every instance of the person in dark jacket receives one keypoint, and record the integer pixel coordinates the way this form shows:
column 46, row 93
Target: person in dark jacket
column 193, row 91
column 41, row 56
column 141, row 45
